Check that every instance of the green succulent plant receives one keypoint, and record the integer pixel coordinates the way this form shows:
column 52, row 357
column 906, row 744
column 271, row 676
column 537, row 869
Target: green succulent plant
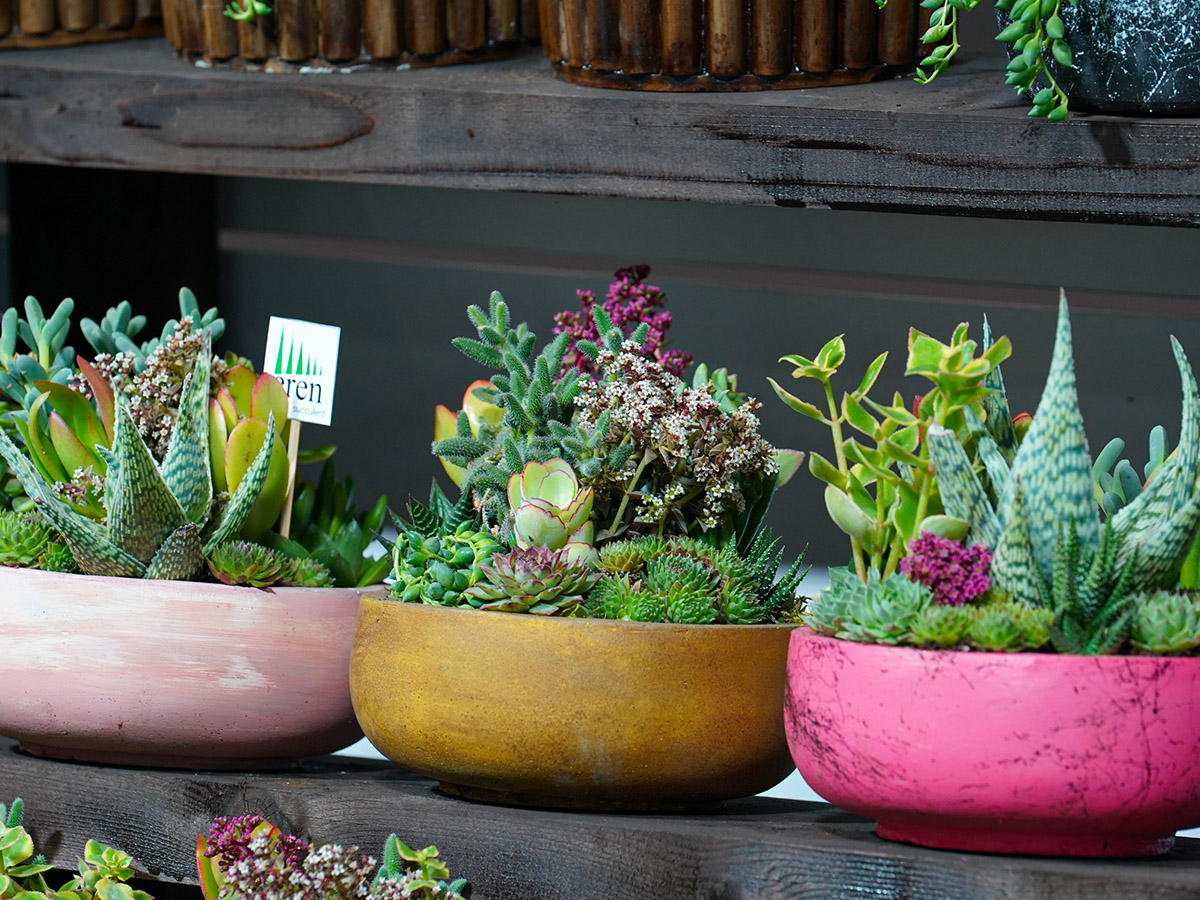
column 883, row 494
column 550, row 510
column 1166, row 623
column 1010, row 627
column 247, row 563
column 688, row 581
column 438, row 552
column 875, row 611
column 103, row 870
column 27, row 540
column 328, row 528
column 307, row 572
column 160, row 520
column 535, row 580
column 116, row 332
column 942, row 627
column 1048, row 487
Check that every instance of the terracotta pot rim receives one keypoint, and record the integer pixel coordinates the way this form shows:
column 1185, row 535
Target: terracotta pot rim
column 805, row 633
column 572, row 622
column 112, row 581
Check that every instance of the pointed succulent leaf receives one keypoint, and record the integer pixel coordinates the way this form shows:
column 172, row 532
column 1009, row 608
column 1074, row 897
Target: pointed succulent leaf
column 179, row 557
column 1053, row 462
column 962, row 494
column 872, row 373
column 103, row 392
column 996, row 412
column 187, row 466
column 1014, row 568
column 801, row 406
column 245, row 495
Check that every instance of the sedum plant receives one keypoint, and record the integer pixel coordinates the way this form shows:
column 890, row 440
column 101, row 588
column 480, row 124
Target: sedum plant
column 1165, row 622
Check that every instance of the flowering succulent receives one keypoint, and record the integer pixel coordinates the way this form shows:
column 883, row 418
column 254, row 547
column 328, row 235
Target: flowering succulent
column 956, row 574
column 694, row 468
column 551, row 510
column 537, row 580
column 247, row 858
column 630, row 303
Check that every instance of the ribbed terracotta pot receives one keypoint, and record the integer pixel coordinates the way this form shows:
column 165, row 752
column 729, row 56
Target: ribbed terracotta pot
column 531, row 710
column 300, row 35
column 58, row 23
column 738, row 45
column 169, row 673
column 1032, row 753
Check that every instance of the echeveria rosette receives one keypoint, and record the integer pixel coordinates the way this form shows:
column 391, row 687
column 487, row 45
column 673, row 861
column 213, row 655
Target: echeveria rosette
column 551, row 510
column 535, row 580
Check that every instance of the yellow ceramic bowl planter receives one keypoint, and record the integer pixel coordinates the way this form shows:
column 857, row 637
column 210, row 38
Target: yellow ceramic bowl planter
column 592, row 713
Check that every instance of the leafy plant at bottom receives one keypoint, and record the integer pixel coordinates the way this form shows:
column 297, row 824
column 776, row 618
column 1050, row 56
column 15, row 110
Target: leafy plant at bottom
column 1090, row 595
column 1165, row 622
column 1010, row 627
column 877, row 611
column 535, row 580
column 160, row 518
column 103, row 870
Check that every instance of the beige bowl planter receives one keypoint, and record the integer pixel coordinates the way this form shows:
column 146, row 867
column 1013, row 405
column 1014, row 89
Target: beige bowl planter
column 342, row 34
column 58, row 23
column 588, row 713
column 170, row 673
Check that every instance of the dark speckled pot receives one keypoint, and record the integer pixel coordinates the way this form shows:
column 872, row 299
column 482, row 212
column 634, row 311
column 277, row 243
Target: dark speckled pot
column 1132, row 57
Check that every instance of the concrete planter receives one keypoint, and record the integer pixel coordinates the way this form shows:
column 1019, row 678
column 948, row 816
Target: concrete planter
column 587, row 713
column 1002, row 753
column 169, row 673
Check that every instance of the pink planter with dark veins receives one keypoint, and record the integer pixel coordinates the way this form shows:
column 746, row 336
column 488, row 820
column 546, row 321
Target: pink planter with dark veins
column 1004, row 753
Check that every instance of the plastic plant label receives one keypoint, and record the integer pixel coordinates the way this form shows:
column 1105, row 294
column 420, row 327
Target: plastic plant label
column 303, row 356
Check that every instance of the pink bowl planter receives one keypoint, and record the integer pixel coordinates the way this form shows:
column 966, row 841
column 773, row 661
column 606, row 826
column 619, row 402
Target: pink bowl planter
column 167, row 673
column 1004, row 753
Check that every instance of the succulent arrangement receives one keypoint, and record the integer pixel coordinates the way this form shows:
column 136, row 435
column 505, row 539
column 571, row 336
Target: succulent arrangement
column 248, row 858
column 156, row 459
column 103, row 871
column 593, row 451
column 1029, row 545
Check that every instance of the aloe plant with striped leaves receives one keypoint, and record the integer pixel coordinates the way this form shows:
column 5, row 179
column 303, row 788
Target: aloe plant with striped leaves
column 160, row 516
column 1047, row 488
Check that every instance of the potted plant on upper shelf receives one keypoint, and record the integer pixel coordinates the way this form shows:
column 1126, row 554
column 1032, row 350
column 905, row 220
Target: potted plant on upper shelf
column 721, row 45
column 1105, row 56
column 61, row 23
column 340, row 35
column 1004, row 668
column 598, row 620
column 157, row 475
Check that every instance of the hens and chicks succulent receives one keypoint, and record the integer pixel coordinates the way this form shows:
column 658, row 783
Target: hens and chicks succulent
column 596, row 482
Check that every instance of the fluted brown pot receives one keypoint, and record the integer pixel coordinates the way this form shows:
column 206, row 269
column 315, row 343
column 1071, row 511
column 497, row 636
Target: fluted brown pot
column 588, row 713
column 343, row 34
column 59, row 23
column 729, row 45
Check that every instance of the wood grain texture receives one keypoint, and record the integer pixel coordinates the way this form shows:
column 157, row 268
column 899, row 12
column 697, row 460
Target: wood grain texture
column 755, row 848
column 962, row 145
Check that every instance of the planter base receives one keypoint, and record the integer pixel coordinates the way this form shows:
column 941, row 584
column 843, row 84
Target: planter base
column 1057, row 843
column 657, row 81
column 316, row 65
column 548, row 801
column 159, row 760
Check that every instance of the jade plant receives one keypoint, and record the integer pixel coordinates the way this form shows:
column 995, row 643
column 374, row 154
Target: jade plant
column 103, row 870
column 155, row 458
column 566, row 461
column 248, row 858
column 1052, row 557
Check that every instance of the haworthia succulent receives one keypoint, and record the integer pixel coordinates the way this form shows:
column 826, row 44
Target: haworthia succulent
column 962, row 494
column 180, row 556
column 142, row 511
column 1053, row 463
column 998, row 417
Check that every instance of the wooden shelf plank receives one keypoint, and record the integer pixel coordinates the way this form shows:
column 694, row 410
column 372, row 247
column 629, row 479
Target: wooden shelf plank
column 756, row 848
column 961, row 146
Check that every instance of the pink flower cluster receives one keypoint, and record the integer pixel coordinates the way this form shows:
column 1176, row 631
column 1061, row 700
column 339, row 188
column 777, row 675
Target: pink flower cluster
column 629, row 303
column 230, row 837
column 955, row 573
